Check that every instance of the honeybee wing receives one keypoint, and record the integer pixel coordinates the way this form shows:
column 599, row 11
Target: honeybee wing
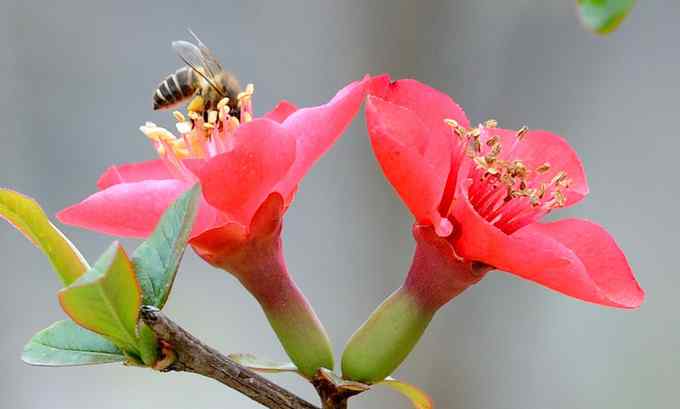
column 193, row 57
column 211, row 62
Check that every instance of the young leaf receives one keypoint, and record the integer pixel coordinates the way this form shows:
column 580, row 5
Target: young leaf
column 417, row 396
column 27, row 217
column 603, row 16
column 106, row 299
column 66, row 344
column 262, row 365
column 147, row 343
column 157, row 259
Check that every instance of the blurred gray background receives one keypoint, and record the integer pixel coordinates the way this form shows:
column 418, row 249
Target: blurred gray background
column 75, row 83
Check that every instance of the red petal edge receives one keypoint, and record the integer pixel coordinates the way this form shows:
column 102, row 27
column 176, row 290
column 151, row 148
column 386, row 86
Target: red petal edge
column 133, row 209
column 238, row 181
column 415, row 161
column 317, row 128
column 281, row 112
column 547, row 255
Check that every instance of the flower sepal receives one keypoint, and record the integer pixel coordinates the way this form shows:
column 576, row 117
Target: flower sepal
column 254, row 256
column 437, row 275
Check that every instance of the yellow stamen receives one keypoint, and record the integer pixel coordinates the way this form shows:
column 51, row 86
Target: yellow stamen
column 179, row 116
column 244, row 96
column 543, row 168
column 223, row 103
column 451, row 122
column 183, row 127
column 212, row 117
column 521, row 133
column 490, row 123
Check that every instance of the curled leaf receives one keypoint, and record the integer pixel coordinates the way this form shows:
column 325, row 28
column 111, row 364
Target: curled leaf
column 417, row 396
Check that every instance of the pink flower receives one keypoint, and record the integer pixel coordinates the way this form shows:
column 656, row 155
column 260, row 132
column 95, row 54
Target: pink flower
column 249, row 170
column 485, row 189
column 240, row 163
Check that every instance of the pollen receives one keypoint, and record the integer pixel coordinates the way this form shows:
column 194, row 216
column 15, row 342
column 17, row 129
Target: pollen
column 223, row 103
column 178, row 116
column 245, row 96
column 490, row 123
column 507, row 190
column 203, row 133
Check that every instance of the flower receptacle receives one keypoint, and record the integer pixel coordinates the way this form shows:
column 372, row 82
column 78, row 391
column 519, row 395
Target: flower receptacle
column 382, row 343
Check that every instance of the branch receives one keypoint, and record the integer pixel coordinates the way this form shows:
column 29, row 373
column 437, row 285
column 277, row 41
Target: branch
column 191, row 355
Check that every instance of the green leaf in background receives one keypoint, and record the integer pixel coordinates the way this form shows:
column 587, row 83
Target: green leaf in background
column 107, row 299
column 604, row 16
column 66, row 344
column 417, row 396
column 157, row 259
column 262, row 365
column 27, row 216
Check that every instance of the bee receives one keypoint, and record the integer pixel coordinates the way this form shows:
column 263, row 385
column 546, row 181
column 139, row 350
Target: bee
column 203, row 76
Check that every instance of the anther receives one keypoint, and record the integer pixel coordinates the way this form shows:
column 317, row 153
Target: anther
column 223, row 103
column 183, row 127
column 249, row 91
column 493, row 140
column 543, row 168
column 212, row 117
column 521, row 133
column 178, row 116
column 490, row 123
column 452, row 123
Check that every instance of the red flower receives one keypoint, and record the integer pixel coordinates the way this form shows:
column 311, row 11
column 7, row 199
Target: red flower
column 249, row 170
column 485, row 189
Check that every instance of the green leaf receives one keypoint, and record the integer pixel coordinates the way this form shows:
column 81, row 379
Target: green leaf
column 107, row 299
column 604, row 16
column 262, row 365
column 417, row 396
column 157, row 259
column 147, row 343
column 28, row 217
column 66, row 344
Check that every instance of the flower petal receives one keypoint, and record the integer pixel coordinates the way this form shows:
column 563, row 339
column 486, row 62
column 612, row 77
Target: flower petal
column 238, row 181
column 281, row 111
column 317, row 128
column 133, row 209
column 140, row 171
column 538, row 147
column 134, row 172
column 415, row 161
column 220, row 243
column 602, row 258
column 545, row 256
column 429, row 104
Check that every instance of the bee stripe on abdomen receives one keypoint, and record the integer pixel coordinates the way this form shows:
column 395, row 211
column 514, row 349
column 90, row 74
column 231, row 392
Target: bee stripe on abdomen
column 165, row 91
column 173, row 87
column 185, row 79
